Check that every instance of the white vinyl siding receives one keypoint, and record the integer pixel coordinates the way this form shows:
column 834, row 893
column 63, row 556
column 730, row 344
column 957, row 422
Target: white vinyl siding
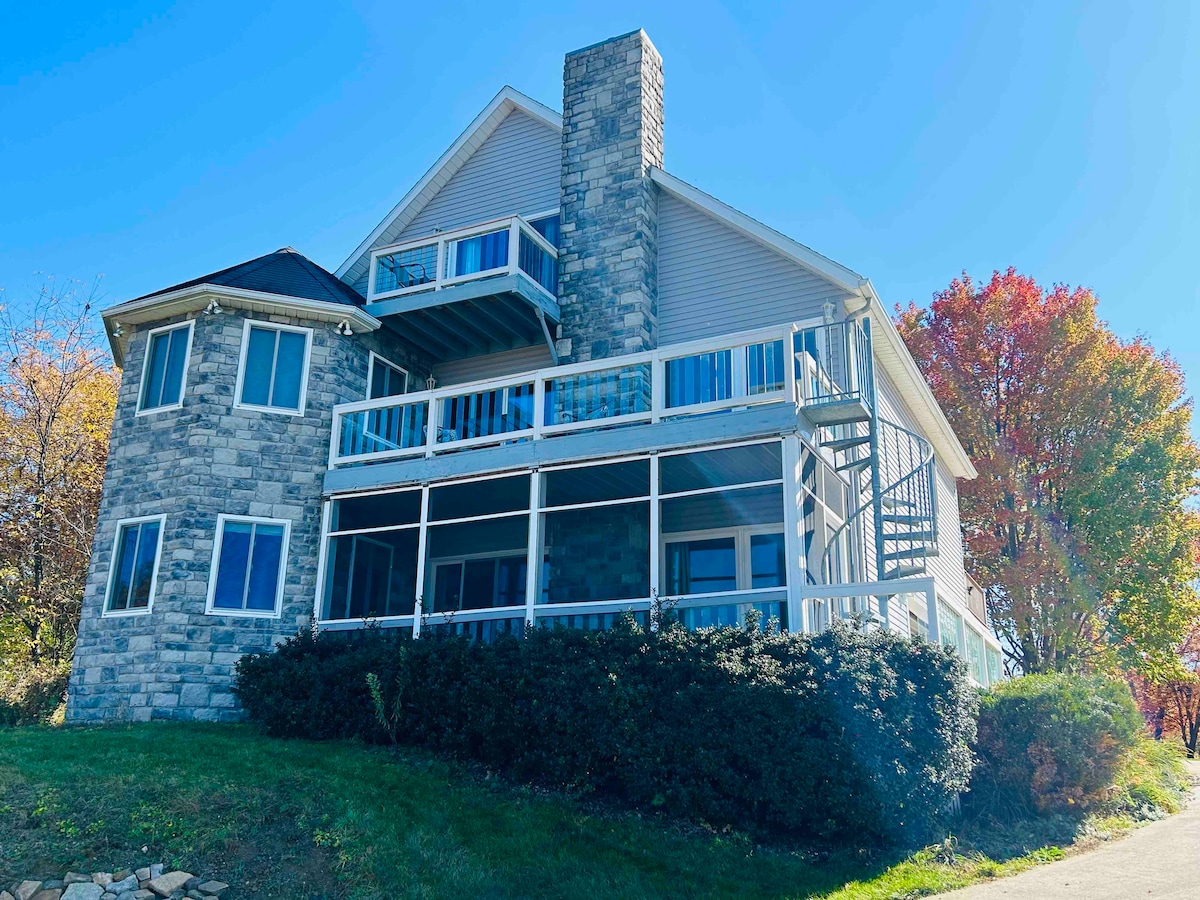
column 514, row 172
column 713, row 280
column 492, row 365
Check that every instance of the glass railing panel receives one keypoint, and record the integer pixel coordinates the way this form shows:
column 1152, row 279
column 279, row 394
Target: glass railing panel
column 479, row 253
column 393, row 428
column 765, row 367
column 702, row 378
column 598, row 395
column 538, row 264
column 413, row 267
column 486, row 413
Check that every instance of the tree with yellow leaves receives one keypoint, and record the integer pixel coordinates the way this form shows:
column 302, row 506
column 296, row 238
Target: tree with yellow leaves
column 57, row 398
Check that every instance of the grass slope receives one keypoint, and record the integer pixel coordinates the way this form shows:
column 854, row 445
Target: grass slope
column 299, row 820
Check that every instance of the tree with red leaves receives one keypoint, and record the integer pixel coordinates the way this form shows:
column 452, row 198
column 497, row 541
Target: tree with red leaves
column 1171, row 705
column 1078, row 525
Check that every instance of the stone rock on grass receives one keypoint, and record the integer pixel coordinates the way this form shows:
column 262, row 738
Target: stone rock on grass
column 51, row 894
column 104, row 879
column 26, row 889
column 166, row 885
column 76, row 878
column 215, row 888
column 125, row 885
column 156, row 870
column 5, row 895
column 80, row 890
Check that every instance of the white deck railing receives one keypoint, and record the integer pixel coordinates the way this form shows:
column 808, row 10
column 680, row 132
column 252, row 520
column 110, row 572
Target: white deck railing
column 499, row 247
column 750, row 369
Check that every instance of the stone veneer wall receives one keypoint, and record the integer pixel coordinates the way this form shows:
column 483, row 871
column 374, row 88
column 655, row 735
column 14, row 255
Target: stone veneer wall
column 608, row 256
column 192, row 464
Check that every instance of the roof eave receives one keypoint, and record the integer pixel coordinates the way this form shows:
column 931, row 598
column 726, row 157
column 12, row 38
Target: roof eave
column 197, row 297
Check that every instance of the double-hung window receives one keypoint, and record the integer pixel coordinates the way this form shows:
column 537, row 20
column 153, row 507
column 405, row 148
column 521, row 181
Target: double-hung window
column 134, row 571
column 273, row 373
column 386, row 379
column 164, row 368
column 248, row 566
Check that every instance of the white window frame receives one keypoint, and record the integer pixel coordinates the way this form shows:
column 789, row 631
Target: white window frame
column 112, row 567
column 273, row 326
column 741, row 534
column 219, row 541
column 187, row 358
column 374, row 357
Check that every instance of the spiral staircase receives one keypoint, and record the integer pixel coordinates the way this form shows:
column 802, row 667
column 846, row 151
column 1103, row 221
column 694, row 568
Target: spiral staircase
column 891, row 469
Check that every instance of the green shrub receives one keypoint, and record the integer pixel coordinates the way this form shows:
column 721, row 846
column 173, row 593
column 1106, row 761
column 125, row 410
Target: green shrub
column 32, row 695
column 1051, row 743
column 838, row 735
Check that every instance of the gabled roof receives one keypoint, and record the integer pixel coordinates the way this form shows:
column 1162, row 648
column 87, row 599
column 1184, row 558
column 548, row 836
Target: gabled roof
column 283, row 272
column 505, row 102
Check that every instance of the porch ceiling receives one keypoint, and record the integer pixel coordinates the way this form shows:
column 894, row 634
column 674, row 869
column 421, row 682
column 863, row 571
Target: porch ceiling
column 472, row 319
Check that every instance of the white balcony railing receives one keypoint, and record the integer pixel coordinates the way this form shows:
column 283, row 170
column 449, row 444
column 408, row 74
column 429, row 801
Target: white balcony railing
column 501, row 247
column 688, row 379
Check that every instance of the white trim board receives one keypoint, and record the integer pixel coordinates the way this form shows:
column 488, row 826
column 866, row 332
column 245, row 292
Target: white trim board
column 197, row 297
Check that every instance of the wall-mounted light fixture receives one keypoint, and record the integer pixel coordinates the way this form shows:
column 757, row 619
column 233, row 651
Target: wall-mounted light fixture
column 213, row 308
column 343, row 327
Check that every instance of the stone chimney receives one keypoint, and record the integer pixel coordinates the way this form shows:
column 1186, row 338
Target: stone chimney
column 608, row 258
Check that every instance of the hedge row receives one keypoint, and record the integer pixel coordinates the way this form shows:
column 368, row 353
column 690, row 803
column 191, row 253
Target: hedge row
column 838, row 735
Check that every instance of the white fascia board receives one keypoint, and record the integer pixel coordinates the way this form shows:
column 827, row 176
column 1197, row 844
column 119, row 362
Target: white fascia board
column 837, row 274
column 452, row 160
column 197, row 297
column 892, row 352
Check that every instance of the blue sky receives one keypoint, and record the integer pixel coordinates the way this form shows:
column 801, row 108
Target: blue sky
column 155, row 142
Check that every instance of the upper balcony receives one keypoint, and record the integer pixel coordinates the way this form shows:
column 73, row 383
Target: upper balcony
column 471, row 291
column 830, row 377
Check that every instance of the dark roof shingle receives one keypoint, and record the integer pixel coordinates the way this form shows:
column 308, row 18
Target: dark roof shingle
column 284, row 272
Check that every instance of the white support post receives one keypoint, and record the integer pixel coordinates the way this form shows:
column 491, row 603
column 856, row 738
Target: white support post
column 326, row 511
column 931, row 616
column 740, row 381
column 432, row 425
column 419, row 604
column 790, row 378
column 539, row 405
column 655, row 537
column 658, row 379
column 514, row 246
column 442, row 263
column 793, row 541
column 533, row 563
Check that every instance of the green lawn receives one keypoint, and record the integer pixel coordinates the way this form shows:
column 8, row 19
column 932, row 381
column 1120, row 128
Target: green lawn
column 298, row 820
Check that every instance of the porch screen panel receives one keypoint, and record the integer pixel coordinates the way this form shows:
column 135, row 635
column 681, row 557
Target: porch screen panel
column 371, row 575
column 596, row 553
column 476, row 565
